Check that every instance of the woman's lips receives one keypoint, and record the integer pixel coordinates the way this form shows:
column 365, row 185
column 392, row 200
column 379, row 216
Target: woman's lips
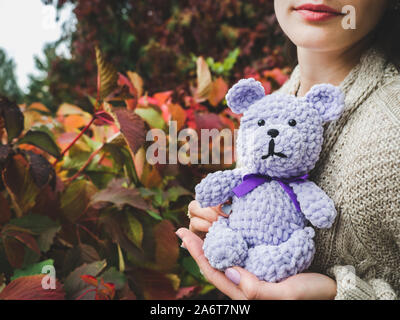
column 312, row 12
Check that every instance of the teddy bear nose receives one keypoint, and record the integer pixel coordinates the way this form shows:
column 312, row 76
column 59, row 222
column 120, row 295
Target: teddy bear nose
column 273, row 133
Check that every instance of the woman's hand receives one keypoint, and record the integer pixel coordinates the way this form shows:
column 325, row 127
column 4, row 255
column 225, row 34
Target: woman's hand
column 201, row 219
column 239, row 284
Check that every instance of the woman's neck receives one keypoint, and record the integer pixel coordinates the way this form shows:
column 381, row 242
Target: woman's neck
column 326, row 67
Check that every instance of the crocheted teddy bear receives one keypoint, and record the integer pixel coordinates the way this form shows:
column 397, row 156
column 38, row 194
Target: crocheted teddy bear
column 279, row 142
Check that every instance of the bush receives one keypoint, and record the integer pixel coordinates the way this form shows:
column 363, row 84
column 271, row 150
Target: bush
column 97, row 210
column 158, row 39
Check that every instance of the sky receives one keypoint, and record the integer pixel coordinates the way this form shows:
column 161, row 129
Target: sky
column 25, row 26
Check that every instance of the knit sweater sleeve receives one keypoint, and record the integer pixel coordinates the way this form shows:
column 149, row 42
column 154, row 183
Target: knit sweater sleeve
column 379, row 222
column 351, row 287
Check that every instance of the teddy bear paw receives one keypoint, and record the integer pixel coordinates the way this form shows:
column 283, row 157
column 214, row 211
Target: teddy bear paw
column 224, row 249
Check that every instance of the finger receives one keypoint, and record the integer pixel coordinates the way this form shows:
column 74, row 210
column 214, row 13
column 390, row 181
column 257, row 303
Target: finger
column 199, row 224
column 252, row 288
column 200, row 234
column 220, row 210
column 195, row 247
column 210, row 214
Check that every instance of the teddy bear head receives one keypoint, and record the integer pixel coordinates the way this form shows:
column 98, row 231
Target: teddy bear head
column 281, row 135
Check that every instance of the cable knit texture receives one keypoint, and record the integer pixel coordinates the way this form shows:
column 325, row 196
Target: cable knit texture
column 359, row 169
column 280, row 136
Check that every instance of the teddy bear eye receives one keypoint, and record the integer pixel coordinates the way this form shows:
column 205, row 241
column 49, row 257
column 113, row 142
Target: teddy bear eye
column 292, row 122
column 261, row 123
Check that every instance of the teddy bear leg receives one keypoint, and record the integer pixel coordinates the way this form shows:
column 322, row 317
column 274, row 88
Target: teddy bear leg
column 224, row 247
column 276, row 263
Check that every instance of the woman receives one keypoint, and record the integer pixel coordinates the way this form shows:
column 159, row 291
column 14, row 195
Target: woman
column 359, row 167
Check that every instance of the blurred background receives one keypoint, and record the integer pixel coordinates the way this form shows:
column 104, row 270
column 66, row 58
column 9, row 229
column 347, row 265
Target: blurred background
column 81, row 82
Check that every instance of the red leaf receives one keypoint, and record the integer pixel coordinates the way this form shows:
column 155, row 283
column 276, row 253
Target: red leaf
column 208, row 121
column 30, row 288
column 127, row 294
column 5, row 213
column 155, row 285
column 130, row 103
column 167, row 247
column 104, row 291
column 267, row 86
column 15, row 252
column 120, row 196
column 89, row 279
column 132, row 127
column 162, row 97
column 103, row 118
column 26, row 239
column 186, row 292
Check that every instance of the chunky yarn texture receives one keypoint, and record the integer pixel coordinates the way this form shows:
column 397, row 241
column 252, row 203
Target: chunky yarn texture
column 280, row 136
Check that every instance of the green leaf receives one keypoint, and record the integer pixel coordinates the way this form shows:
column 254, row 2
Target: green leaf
column 114, row 276
column 175, row 192
column 39, row 225
column 74, row 286
column 78, row 255
column 134, row 230
column 76, row 198
column 46, row 238
column 32, row 269
column 13, row 118
column 151, row 116
column 154, row 214
column 191, row 266
column 42, row 140
column 35, row 223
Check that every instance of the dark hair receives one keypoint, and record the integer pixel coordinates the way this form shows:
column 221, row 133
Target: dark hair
column 384, row 36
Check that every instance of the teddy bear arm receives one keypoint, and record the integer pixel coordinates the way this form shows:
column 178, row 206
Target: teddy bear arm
column 315, row 204
column 216, row 188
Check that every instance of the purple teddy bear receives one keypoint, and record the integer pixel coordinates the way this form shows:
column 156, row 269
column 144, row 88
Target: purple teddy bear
column 279, row 142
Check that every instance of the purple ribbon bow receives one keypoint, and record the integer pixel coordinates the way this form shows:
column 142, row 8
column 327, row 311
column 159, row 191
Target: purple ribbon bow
column 252, row 181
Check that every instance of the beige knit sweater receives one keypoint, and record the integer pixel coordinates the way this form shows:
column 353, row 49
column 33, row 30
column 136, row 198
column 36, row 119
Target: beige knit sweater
column 359, row 169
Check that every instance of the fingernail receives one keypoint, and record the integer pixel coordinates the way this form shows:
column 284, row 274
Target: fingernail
column 177, row 233
column 233, row 275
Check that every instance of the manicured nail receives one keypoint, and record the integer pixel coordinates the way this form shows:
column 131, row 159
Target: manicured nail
column 177, row 233
column 233, row 275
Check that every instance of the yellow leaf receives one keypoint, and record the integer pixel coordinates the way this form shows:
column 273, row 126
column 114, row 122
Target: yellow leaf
column 204, row 81
column 139, row 160
column 107, row 73
column 218, row 91
column 134, row 230
column 67, row 109
column 175, row 280
column 137, row 82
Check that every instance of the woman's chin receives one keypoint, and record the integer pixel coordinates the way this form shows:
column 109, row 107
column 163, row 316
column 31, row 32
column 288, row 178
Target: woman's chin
column 319, row 39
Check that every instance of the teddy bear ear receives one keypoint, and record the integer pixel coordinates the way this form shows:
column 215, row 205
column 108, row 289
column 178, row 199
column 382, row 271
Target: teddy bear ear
column 243, row 94
column 328, row 100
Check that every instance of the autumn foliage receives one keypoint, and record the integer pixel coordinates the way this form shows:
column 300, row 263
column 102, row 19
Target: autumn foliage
column 76, row 190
